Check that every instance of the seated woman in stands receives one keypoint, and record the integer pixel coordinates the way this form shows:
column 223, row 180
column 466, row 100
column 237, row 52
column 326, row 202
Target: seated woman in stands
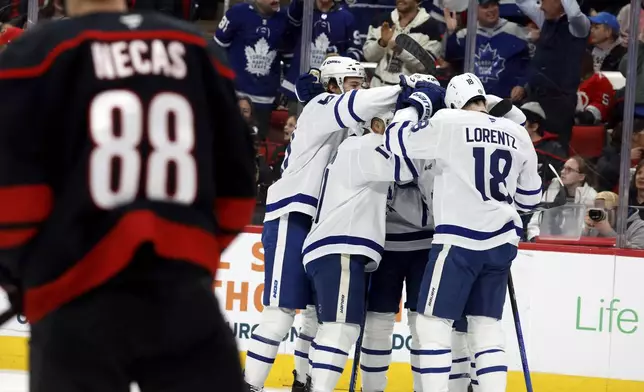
column 601, row 221
column 576, row 176
column 636, row 191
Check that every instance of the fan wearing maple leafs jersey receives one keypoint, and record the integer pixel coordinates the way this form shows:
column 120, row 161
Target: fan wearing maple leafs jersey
column 595, row 96
column 502, row 53
column 334, row 32
column 253, row 35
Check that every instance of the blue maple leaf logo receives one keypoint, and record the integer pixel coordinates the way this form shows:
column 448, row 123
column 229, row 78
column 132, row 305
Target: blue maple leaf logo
column 488, row 63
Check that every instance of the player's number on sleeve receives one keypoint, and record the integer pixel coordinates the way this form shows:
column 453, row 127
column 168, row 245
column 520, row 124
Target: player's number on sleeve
column 224, row 23
column 500, row 165
column 118, row 123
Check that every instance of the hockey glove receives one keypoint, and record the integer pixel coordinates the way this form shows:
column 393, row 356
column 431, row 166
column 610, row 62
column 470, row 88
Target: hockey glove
column 413, row 80
column 427, row 98
column 585, row 118
column 308, row 86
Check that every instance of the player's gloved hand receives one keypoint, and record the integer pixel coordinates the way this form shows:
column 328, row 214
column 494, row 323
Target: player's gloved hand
column 584, row 118
column 427, row 99
column 308, row 86
column 413, row 80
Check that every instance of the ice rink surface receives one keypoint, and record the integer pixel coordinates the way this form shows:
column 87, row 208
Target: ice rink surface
column 17, row 382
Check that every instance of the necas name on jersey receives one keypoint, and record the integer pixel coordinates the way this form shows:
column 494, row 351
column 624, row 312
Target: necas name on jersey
column 123, row 59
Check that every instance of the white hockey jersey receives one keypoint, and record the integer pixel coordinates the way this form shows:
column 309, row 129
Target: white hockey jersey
column 351, row 214
column 486, row 170
column 320, row 129
column 410, row 224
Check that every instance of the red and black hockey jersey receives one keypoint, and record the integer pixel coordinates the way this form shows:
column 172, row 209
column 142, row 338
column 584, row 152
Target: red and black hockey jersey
column 597, row 96
column 117, row 130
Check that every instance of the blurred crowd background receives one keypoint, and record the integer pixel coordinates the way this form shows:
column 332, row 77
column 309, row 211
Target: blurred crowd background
column 563, row 62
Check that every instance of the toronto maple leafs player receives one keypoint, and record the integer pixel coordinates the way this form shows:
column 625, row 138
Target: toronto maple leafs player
column 486, row 171
column 334, row 32
column 345, row 243
column 409, row 232
column 253, row 35
column 347, row 240
column 291, row 206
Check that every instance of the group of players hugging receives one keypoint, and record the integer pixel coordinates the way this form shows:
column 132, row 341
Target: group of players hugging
column 408, row 183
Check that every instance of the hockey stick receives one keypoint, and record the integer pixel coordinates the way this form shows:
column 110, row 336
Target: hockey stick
column 501, row 109
column 558, row 201
column 425, row 57
column 517, row 327
column 356, row 356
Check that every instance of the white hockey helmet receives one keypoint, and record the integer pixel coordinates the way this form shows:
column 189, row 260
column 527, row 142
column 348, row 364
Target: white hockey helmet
column 337, row 68
column 462, row 89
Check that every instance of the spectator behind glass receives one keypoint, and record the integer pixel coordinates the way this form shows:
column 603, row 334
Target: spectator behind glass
column 247, row 110
column 636, row 191
column 605, row 220
column 606, row 45
column 334, row 32
column 595, row 97
column 639, row 90
column 502, row 55
column 380, row 46
column 548, row 149
column 555, row 70
column 609, row 163
column 624, row 19
column 575, row 176
column 280, row 152
column 253, row 35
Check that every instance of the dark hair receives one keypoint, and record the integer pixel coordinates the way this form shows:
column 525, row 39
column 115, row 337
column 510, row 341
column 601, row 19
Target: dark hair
column 632, row 188
column 534, row 118
column 479, row 99
column 586, row 169
column 616, row 136
column 248, row 101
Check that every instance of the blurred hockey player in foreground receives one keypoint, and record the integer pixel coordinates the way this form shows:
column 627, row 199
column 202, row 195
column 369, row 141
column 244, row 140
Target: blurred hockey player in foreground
column 108, row 191
column 487, row 169
column 346, row 242
column 292, row 204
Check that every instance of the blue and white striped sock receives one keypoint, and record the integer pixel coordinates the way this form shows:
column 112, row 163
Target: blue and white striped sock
column 264, row 343
column 305, row 335
column 435, row 353
column 491, row 370
column 259, row 358
column 486, row 342
column 329, row 357
column 375, row 355
column 475, row 380
column 459, row 378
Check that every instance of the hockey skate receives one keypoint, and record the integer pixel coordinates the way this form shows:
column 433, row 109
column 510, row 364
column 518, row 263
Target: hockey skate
column 252, row 388
column 300, row 387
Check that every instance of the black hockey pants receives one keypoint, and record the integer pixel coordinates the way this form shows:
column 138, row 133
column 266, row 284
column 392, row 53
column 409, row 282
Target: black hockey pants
column 163, row 331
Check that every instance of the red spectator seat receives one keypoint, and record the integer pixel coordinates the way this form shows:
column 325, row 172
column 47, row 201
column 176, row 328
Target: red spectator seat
column 267, row 150
column 587, row 141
